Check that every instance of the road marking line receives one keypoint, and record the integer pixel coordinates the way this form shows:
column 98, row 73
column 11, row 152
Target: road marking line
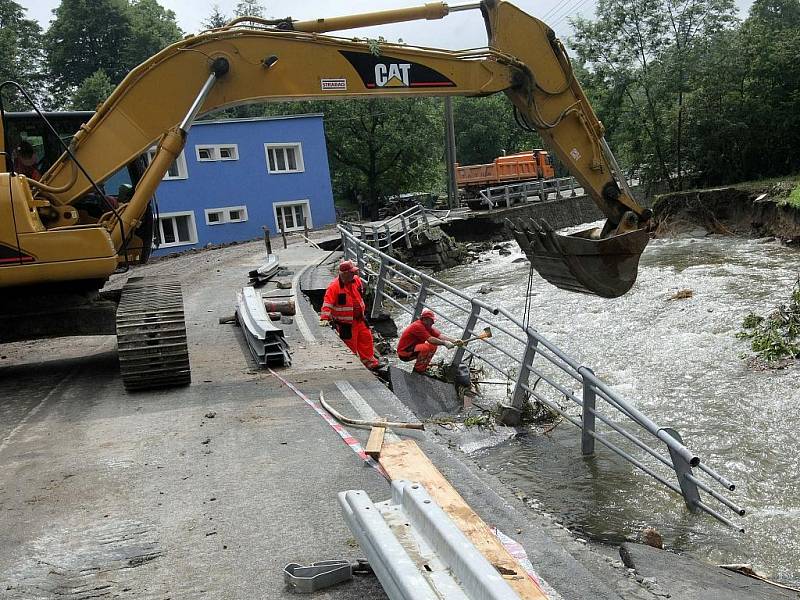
column 364, row 409
column 351, row 441
column 35, row 409
column 305, row 331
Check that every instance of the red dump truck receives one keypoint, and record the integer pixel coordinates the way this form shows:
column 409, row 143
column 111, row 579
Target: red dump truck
column 512, row 168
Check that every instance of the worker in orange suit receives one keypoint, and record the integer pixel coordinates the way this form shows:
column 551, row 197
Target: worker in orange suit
column 343, row 307
column 421, row 339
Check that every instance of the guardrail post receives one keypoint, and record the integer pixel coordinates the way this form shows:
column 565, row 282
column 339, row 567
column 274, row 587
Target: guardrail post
column 388, row 238
column 424, row 217
column 377, row 301
column 472, row 321
column 589, row 403
column 376, row 238
column 363, row 234
column 558, row 189
column 691, row 494
column 572, row 192
column 510, row 415
column 359, row 256
column 405, row 231
column 421, row 297
column 267, row 240
column 507, row 196
column 542, row 194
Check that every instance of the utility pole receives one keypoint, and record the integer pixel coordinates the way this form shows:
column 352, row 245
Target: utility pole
column 450, row 153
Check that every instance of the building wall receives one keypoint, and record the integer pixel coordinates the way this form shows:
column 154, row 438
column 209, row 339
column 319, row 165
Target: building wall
column 246, row 182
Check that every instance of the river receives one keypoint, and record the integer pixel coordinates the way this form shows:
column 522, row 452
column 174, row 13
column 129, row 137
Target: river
column 680, row 363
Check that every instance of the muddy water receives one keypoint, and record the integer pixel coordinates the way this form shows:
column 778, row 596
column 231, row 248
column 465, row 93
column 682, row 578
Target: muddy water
column 680, row 363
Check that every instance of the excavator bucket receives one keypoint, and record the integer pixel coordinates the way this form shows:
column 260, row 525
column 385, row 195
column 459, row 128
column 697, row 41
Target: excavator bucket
column 606, row 267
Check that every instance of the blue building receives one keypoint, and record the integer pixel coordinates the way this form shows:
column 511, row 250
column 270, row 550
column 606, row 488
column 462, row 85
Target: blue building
column 236, row 175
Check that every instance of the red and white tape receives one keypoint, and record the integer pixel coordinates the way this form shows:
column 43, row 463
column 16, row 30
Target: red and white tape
column 354, row 444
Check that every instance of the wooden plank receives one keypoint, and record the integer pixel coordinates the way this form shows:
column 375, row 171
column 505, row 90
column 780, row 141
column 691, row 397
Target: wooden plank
column 404, row 460
column 375, row 442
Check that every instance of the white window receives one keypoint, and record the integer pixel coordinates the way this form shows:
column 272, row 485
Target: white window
column 236, row 214
column 215, row 216
column 176, row 229
column 177, row 169
column 214, row 152
column 284, row 158
column 292, row 216
column 228, row 214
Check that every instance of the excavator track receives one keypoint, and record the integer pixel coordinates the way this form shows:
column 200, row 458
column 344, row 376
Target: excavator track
column 151, row 335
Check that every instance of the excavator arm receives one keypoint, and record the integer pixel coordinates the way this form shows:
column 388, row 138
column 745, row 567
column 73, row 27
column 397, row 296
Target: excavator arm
column 252, row 60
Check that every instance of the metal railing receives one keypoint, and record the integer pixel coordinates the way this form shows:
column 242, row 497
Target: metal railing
column 383, row 235
column 504, row 196
column 521, row 354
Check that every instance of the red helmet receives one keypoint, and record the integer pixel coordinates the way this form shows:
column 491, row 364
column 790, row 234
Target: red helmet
column 427, row 314
column 347, row 266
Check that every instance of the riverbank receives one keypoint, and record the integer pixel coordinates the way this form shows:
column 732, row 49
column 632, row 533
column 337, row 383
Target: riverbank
column 752, row 211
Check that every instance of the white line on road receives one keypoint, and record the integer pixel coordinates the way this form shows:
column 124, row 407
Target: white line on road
column 361, row 406
column 305, row 331
column 35, row 409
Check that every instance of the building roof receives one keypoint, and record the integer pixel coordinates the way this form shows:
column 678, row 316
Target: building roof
column 254, row 119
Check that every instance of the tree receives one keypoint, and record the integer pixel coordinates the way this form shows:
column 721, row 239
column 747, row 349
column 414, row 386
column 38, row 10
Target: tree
column 381, row 147
column 249, row 8
column 152, row 28
column 92, row 92
column 485, row 129
column 20, row 53
column 216, row 19
column 87, row 36
column 648, row 53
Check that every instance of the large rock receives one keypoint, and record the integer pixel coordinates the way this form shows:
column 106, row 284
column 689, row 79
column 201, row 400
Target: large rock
column 687, row 578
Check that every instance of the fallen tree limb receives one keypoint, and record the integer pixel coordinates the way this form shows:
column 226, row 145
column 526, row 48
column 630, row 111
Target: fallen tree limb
column 388, row 424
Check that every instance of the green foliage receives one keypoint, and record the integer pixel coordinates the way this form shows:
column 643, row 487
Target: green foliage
column 112, row 36
column 249, row 8
column 152, row 28
column 216, row 19
column 777, row 336
column 794, row 197
column 642, row 58
column 485, row 129
column 20, row 53
column 93, row 91
column 85, row 37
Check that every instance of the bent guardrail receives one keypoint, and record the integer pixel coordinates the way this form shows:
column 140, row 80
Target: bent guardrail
column 385, row 234
column 519, row 353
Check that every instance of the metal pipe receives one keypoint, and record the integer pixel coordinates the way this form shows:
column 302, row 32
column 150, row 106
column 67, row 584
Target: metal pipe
column 734, row 507
column 712, row 473
column 702, row 505
column 186, row 124
column 431, row 11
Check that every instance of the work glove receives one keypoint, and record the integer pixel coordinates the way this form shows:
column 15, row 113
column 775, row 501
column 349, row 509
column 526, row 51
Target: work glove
column 449, row 345
column 459, row 343
column 323, row 322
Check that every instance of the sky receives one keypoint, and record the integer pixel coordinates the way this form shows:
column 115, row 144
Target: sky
column 461, row 30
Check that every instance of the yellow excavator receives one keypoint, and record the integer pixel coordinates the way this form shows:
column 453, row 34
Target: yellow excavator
column 55, row 255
